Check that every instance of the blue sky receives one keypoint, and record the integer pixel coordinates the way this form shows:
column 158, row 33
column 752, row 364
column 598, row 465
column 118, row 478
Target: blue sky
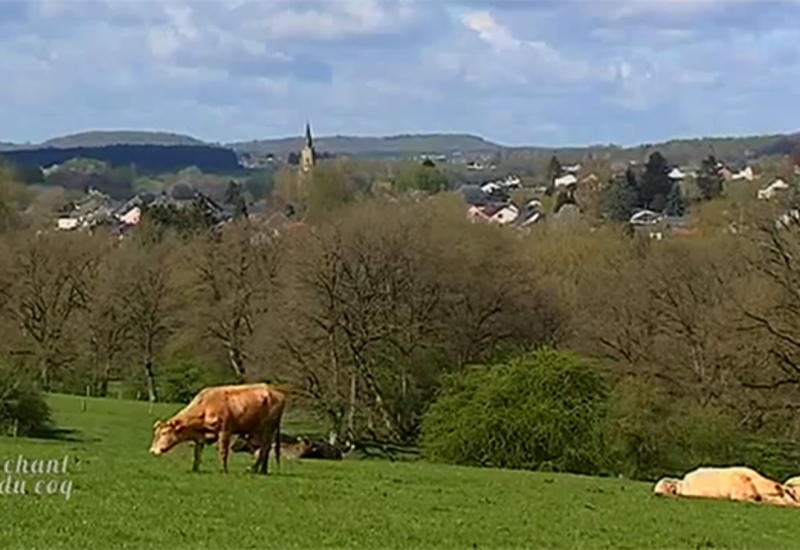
column 546, row 72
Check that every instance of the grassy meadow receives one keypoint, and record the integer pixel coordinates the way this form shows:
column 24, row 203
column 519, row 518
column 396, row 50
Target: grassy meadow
column 124, row 498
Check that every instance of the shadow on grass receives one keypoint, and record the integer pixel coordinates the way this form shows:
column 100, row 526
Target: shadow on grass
column 61, row 434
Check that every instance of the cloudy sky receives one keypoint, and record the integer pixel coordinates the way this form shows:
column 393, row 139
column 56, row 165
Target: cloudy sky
column 549, row 72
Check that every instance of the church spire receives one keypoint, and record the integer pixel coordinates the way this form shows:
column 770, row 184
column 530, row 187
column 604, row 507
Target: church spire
column 309, row 140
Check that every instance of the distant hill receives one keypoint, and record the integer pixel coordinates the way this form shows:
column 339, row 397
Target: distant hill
column 733, row 150
column 123, row 137
column 436, row 144
column 147, row 158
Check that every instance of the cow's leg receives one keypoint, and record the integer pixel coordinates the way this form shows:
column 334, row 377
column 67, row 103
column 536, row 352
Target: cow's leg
column 278, row 443
column 267, row 443
column 198, row 452
column 258, row 443
column 224, row 445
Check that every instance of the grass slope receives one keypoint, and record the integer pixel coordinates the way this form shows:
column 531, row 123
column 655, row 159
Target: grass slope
column 124, row 498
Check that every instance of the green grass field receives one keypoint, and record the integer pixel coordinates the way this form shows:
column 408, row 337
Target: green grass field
column 124, row 498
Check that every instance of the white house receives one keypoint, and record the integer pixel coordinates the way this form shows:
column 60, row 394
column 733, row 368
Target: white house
column 566, row 181
column 772, row 189
column 505, row 215
column 490, row 188
column 746, row 174
column 676, row 174
column 645, row 217
column 67, row 223
column 132, row 216
column 574, row 169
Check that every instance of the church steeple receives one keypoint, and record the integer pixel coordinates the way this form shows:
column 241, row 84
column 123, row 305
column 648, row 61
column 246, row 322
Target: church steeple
column 308, row 157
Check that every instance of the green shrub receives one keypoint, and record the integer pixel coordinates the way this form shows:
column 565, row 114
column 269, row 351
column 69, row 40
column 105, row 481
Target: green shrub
column 22, row 405
column 650, row 434
column 539, row 411
column 180, row 380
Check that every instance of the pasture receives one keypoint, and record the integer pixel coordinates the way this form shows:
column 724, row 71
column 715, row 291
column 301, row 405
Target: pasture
column 124, row 498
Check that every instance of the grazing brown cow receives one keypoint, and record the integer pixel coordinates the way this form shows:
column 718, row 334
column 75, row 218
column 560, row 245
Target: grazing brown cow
column 217, row 413
column 733, row 483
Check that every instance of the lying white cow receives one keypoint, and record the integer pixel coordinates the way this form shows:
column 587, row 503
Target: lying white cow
column 733, row 483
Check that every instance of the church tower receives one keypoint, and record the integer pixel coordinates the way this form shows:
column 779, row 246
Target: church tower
column 308, row 157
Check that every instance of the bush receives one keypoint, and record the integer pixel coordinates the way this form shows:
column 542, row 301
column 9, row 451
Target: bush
column 650, row 435
column 542, row 411
column 180, row 381
column 22, row 404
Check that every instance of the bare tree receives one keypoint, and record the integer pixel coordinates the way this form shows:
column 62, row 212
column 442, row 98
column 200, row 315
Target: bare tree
column 151, row 300
column 235, row 278
column 107, row 321
column 45, row 283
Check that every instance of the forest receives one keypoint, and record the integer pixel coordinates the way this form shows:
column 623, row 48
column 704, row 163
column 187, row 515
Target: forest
column 376, row 306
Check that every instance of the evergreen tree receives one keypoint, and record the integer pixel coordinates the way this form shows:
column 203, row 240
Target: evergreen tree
column 235, row 197
column 619, row 199
column 709, row 179
column 676, row 205
column 554, row 171
column 656, row 183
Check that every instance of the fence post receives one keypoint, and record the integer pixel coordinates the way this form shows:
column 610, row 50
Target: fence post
column 16, row 427
column 83, row 401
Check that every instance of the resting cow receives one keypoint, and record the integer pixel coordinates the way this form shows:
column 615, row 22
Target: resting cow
column 295, row 449
column 217, row 413
column 733, row 483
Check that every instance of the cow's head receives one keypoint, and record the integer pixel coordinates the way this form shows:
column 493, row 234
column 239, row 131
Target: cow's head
column 166, row 435
column 667, row 486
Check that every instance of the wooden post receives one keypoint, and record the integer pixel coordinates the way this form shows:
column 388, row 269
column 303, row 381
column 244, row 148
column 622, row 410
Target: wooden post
column 83, row 401
column 16, row 427
column 150, row 407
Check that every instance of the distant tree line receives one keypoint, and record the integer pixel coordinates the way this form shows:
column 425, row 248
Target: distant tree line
column 152, row 159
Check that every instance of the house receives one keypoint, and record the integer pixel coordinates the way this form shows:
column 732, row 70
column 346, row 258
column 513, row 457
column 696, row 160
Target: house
column 530, row 214
column 491, row 188
column 132, row 216
column 676, row 174
column 745, row 174
column 566, row 181
column 475, row 166
column 645, row 217
column 67, row 223
column 771, row 190
column 574, row 169
column 503, row 214
column 474, row 195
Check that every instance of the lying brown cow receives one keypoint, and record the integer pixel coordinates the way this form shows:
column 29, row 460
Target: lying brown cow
column 298, row 448
column 734, row 483
column 217, row 413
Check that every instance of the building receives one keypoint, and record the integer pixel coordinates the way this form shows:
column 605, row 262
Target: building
column 308, row 156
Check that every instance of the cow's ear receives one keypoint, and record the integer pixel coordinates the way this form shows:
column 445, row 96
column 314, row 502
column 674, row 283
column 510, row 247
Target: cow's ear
column 177, row 424
column 157, row 424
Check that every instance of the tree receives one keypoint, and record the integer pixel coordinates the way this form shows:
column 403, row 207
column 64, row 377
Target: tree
column 620, row 197
column 676, row 205
column 235, row 197
column 554, row 170
column 151, row 300
column 43, row 285
column 656, row 183
column 235, row 277
column 709, row 179
column 106, row 321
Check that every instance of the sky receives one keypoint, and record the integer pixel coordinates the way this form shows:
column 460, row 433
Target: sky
column 517, row 72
